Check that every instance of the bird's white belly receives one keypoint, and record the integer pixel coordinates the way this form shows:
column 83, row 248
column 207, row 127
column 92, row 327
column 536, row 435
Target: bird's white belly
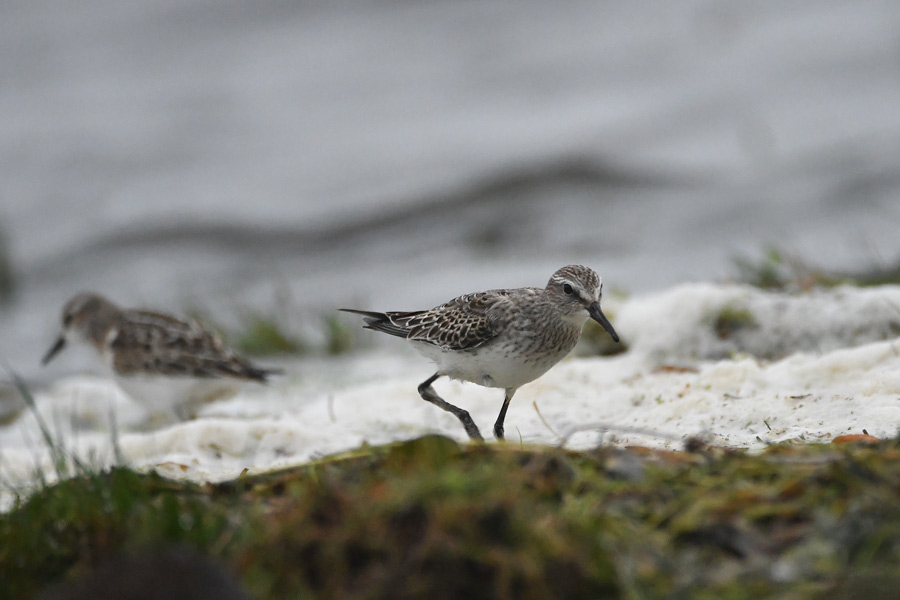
column 496, row 365
column 175, row 396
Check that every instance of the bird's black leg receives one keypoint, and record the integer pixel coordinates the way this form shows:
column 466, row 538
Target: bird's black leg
column 498, row 426
column 427, row 392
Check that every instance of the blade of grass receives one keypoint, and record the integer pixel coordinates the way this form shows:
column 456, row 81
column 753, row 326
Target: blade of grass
column 114, row 434
column 38, row 468
column 543, row 420
column 57, row 453
column 607, row 427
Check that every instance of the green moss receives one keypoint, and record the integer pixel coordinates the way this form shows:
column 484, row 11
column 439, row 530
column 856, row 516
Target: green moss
column 430, row 518
column 69, row 527
column 775, row 270
column 456, row 529
column 732, row 319
column 339, row 337
column 262, row 336
column 595, row 340
column 768, row 272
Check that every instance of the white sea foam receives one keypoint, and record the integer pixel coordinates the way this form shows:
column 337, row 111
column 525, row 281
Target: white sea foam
column 806, row 367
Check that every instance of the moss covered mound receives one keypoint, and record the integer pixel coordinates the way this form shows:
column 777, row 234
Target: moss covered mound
column 430, row 519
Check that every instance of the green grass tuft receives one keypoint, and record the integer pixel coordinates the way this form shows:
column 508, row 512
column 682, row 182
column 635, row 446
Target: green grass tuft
column 777, row 271
column 768, row 272
column 63, row 464
column 340, row 337
column 262, row 336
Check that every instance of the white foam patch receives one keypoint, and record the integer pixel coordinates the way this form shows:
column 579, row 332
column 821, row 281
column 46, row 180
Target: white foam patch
column 681, row 322
column 663, row 390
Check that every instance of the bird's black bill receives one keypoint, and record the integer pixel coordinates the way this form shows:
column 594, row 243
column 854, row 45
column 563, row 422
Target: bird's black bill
column 57, row 346
column 597, row 315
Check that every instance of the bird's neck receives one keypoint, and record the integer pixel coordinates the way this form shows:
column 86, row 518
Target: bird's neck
column 99, row 330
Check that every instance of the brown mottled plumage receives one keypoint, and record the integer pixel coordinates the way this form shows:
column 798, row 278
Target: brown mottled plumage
column 157, row 358
column 173, row 347
column 499, row 338
column 463, row 323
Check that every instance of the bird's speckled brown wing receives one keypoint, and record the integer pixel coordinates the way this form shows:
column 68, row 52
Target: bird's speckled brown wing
column 463, row 323
column 149, row 342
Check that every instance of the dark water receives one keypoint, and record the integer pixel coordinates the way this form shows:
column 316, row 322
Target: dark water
column 223, row 154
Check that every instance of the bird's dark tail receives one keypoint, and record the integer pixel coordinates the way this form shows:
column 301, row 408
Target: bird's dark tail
column 261, row 374
column 383, row 322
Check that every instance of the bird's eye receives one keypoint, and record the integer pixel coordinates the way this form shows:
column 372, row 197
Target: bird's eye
column 568, row 289
column 67, row 320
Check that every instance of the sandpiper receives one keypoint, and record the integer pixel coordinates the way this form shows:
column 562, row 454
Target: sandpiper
column 499, row 338
column 168, row 364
